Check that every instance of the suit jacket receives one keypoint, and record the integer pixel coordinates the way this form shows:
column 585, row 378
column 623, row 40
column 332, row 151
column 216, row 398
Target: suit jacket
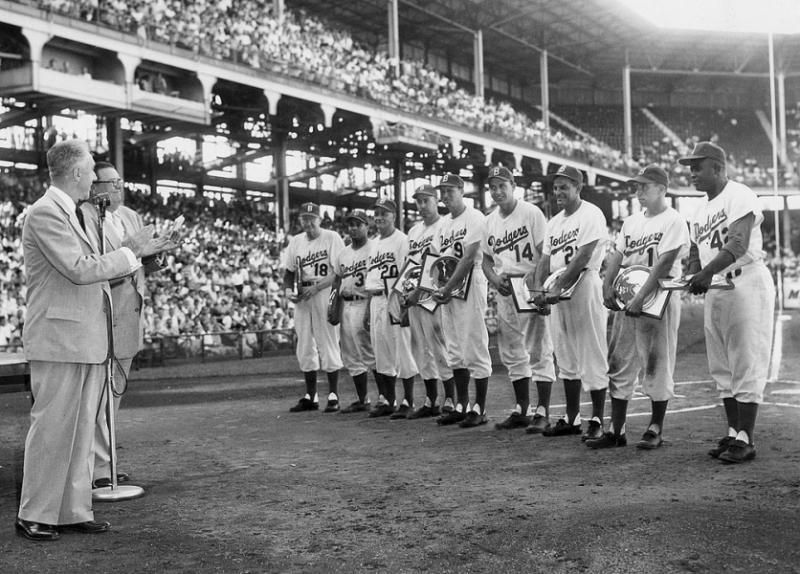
column 127, row 293
column 68, row 286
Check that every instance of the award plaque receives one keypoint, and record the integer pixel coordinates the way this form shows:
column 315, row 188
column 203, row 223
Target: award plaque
column 628, row 283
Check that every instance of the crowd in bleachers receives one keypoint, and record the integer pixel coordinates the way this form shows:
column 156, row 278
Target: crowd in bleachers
column 226, row 279
column 247, row 32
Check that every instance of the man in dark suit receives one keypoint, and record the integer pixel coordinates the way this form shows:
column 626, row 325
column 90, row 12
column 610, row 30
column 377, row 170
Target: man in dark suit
column 66, row 343
column 127, row 298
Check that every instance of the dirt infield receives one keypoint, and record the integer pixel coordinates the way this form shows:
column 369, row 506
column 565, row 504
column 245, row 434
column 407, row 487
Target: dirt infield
column 235, row 483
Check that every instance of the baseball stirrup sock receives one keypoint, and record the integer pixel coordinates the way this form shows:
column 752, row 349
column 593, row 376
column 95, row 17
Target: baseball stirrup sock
column 432, row 390
column 311, row 382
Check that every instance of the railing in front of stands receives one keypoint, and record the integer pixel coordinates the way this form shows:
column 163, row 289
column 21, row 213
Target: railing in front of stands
column 164, row 350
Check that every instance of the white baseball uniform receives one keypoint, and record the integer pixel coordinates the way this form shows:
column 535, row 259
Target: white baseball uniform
column 643, row 346
column 317, row 340
column 464, row 321
column 351, row 266
column 578, row 325
column 738, row 322
column 523, row 339
column 390, row 342
column 427, row 339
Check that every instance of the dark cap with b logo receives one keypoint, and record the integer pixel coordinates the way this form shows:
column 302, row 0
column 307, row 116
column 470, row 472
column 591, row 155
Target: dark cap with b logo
column 309, row 209
column 500, row 172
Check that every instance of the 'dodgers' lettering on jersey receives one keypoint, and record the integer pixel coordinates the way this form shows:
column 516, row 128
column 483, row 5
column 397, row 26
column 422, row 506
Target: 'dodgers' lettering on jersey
column 455, row 236
column 353, row 268
column 640, row 245
column 508, row 239
column 381, row 258
column 421, row 246
column 703, row 230
column 315, row 257
column 560, row 242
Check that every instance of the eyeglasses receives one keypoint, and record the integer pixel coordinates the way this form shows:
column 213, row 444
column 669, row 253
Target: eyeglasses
column 115, row 183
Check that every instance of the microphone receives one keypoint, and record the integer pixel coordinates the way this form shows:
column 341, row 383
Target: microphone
column 101, row 199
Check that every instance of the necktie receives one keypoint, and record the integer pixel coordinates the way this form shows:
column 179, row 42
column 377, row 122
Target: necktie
column 79, row 213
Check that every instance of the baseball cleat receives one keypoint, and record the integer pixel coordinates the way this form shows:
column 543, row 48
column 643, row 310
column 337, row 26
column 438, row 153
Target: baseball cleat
column 593, row 431
column 381, row 410
column 304, row 404
column 355, row 407
column 402, row 412
column 608, row 440
column 424, row 411
column 538, row 424
column 332, row 406
column 450, row 418
column 738, row 451
column 561, row 428
column 650, row 440
column 473, row 419
column 721, row 447
column 514, row 421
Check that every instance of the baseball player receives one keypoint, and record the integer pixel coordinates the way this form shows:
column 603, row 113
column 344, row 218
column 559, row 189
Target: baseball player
column 427, row 339
column 351, row 268
column 312, row 254
column 726, row 240
column 574, row 242
column 644, row 347
column 463, row 321
column 512, row 245
column 390, row 341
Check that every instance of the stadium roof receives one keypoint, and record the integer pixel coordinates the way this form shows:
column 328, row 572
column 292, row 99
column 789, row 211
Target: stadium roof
column 589, row 40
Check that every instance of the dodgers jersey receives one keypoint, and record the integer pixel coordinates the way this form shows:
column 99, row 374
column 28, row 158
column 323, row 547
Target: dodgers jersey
column 567, row 233
column 456, row 234
column 511, row 240
column 386, row 259
column 709, row 226
column 421, row 237
column 642, row 240
column 314, row 257
column 351, row 266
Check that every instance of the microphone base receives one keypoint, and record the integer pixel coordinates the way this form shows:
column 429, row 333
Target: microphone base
column 122, row 492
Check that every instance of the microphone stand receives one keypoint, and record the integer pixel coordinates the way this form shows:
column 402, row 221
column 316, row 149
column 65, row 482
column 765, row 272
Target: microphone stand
column 114, row 492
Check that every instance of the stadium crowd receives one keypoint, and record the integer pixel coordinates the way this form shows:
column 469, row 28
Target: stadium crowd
column 221, row 287
column 299, row 45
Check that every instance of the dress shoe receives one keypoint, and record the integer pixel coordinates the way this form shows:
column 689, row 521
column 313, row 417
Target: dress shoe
column 105, row 482
column 90, row 527
column 36, row 531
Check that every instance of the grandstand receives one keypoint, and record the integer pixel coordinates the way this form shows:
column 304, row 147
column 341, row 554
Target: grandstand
column 235, row 112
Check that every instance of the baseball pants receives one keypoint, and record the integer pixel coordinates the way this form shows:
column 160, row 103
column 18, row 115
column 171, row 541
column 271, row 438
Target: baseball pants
column 578, row 328
column 738, row 327
column 464, row 326
column 428, row 344
column 644, row 348
column 357, row 354
column 524, row 343
column 317, row 340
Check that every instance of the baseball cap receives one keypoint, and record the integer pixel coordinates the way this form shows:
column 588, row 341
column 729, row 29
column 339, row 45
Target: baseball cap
column 385, row 203
column 309, row 209
column 651, row 174
column 704, row 150
column 500, row 172
column 358, row 215
column 450, row 180
column 570, row 173
column 425, row 189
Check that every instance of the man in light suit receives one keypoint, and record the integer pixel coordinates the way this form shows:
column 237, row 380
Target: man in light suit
column 66, row 343
column 127, row 297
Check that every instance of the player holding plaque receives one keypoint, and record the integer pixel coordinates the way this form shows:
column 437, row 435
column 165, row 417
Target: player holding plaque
column 512, row 245
column 641, row 345
column 572, row 253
